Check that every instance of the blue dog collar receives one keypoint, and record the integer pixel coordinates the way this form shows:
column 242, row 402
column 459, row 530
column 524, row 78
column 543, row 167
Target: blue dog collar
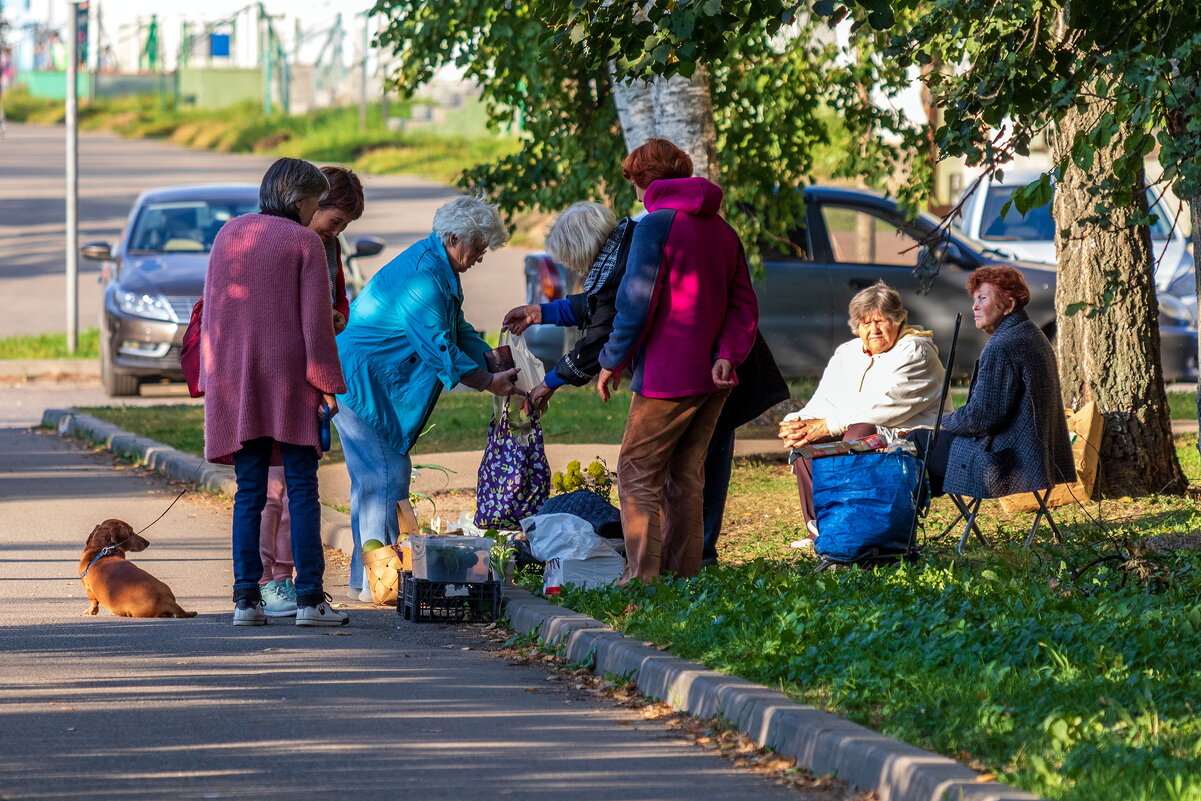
column 111, row 550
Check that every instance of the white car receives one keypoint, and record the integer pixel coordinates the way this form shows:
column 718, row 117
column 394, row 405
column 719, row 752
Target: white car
column 1032, row 237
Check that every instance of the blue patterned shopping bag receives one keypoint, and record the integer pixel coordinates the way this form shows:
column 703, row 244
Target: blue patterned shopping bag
column 514, row 477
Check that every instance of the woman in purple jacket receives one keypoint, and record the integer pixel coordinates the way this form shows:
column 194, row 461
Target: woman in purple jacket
column 686, row 318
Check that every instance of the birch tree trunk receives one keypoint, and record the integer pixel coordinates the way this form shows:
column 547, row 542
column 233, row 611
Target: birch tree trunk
column 635, row 103
column 678, row 109
column 1111, row 356
column 684, row 115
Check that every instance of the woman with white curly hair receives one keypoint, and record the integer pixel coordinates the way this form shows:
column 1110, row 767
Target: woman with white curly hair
column 407, row 341
column 588, row 240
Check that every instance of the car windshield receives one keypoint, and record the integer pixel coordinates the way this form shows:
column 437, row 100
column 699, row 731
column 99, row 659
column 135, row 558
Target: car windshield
column 184, row 226
column 1037, row 224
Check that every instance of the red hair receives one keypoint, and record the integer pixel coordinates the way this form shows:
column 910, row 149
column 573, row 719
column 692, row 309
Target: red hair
column 1008, row 280
column 656, row 159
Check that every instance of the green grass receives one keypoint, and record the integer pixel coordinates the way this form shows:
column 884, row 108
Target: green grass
column 459, row 422
column 331, row 135
column 1182, row 405
column 576, row 415
column 1072, row 689
column 1068, row 681
column 51, row 346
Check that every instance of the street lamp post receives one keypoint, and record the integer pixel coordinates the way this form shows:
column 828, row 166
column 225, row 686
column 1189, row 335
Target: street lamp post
column 72, row 253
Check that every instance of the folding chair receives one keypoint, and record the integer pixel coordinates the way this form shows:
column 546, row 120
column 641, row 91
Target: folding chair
column 969, row 508
column 1042, row 512
column 967, row 511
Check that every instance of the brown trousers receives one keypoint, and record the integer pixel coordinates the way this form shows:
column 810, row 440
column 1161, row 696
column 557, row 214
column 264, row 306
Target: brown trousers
column 660, row 478
column 803, row 468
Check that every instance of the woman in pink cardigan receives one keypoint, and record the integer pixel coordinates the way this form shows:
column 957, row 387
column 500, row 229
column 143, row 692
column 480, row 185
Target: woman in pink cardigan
column 268, row 365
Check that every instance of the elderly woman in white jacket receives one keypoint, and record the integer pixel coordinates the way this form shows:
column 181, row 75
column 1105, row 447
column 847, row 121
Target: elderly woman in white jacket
column 886, row 380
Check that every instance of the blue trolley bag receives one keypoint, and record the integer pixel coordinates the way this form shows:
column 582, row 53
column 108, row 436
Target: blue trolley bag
column 866, row 504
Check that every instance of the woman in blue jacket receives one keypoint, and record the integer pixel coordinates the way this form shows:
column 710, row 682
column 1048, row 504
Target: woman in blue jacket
column 407, row 340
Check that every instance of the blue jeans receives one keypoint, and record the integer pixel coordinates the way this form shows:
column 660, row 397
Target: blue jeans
column 300, row 474
column 379, row 477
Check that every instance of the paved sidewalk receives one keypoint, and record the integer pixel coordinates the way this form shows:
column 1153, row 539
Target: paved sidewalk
column 116, row 708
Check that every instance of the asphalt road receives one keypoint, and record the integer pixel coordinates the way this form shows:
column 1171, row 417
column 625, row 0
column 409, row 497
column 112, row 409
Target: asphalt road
column 112, row 171
column 117, row 708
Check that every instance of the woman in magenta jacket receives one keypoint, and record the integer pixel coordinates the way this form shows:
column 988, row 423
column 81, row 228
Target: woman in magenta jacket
column 686, row 317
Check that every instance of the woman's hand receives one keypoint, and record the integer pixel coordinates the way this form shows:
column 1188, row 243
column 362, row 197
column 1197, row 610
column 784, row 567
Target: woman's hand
column 791, row 431
column 607, row 383
column 723, row 374
column 504, row 383
column 818, row 429
column 797, row 433
column 521, row 318
column 339, row 322
column 538, row 398
column 331, row 401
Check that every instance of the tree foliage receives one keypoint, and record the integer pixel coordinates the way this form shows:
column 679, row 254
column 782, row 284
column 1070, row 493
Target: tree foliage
column 572, row 146
column 777, row 78
column 1021, row 65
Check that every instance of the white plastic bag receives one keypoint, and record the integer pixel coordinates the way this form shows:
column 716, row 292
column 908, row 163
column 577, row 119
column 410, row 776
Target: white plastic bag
column 530, row 374
column 465, row 525
column 584, row 558
column 530, row 369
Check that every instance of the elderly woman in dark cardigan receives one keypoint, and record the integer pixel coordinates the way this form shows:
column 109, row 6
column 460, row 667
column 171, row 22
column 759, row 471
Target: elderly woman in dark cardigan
column 1012, row 435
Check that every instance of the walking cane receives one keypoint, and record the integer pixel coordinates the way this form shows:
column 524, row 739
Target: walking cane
column 942, row 404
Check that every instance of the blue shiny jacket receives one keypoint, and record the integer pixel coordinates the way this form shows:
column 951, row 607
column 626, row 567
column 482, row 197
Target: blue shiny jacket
column 407, row 340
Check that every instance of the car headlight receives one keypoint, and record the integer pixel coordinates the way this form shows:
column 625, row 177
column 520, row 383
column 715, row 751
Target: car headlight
column 138, row 304
column 1175, row 309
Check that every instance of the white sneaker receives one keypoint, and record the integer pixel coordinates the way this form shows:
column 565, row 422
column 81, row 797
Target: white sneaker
column 321, row 615
column 366, row 597
column 276, row 600
column 247, row 613
column 807, row 542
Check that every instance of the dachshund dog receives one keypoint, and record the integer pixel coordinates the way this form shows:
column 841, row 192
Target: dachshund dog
column 124, row 588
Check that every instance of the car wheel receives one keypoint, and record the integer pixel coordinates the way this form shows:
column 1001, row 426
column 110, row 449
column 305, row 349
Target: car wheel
column 117, row 385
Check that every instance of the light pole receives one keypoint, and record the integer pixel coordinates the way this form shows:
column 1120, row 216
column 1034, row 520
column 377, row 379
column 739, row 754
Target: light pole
column 72, row 176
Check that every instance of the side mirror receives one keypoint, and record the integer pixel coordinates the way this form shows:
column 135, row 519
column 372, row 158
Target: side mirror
column 944, row 252
column 368, row 246
column 96, row 251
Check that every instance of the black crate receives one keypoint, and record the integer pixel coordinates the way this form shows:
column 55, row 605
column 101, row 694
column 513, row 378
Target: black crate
column 425, row 601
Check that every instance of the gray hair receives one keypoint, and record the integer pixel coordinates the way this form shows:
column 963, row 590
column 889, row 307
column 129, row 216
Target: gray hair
column 578, row 234
column 288, row 181
column 879, row 297
column 472, row 220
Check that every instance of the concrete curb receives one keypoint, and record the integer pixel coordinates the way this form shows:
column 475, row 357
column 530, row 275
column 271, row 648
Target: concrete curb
column 819, row 741
column 335, row 525
column 57, row 369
